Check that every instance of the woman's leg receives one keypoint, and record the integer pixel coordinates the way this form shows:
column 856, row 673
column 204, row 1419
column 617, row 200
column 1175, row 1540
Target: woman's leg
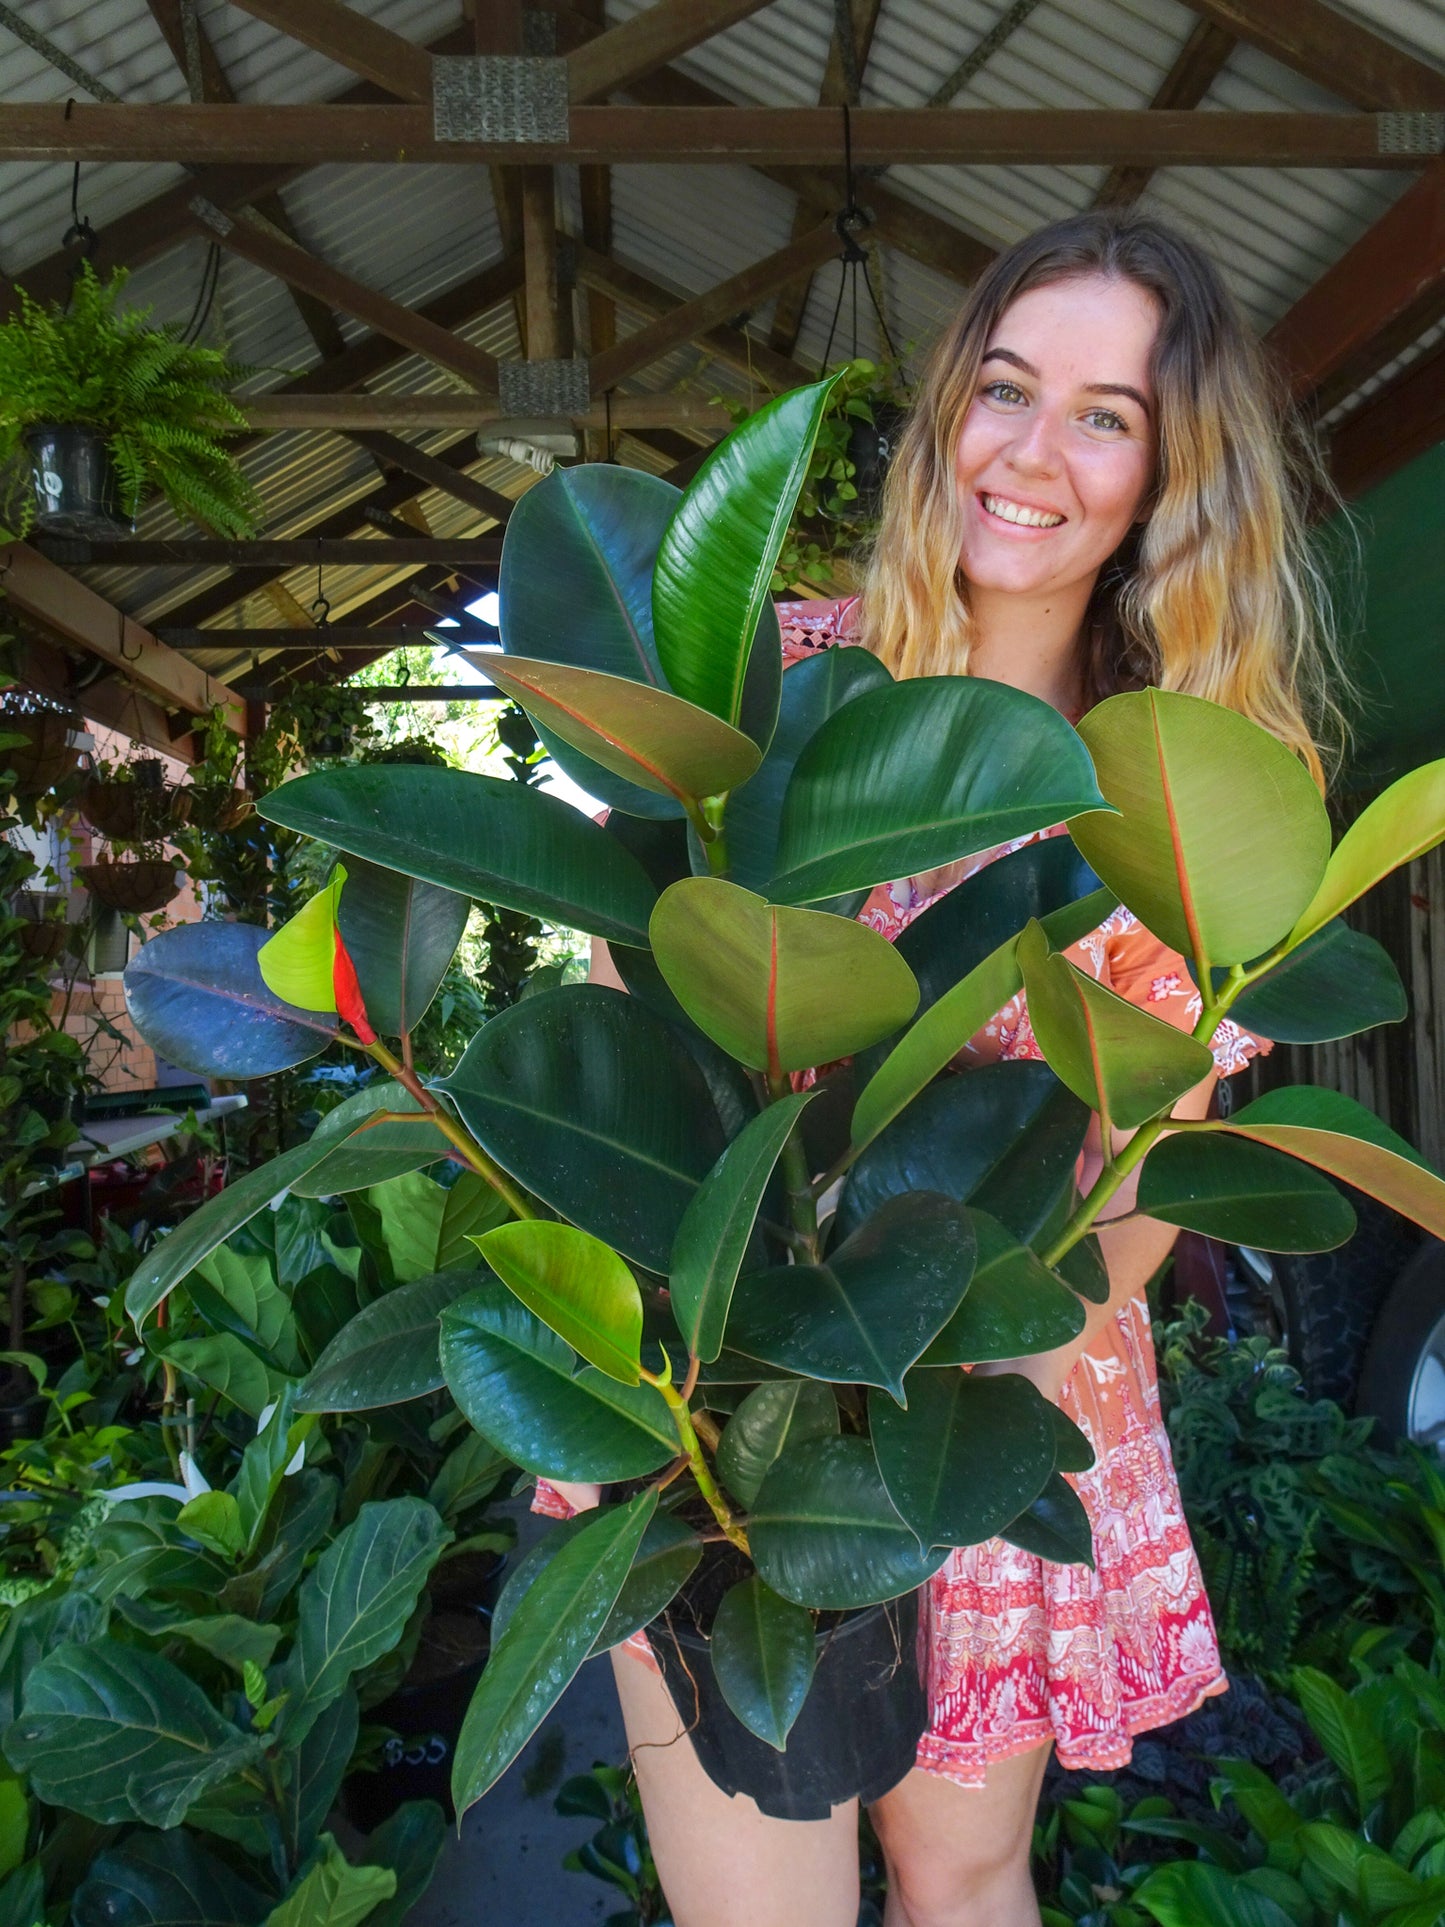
column 959, row 1856
column 721, row 1862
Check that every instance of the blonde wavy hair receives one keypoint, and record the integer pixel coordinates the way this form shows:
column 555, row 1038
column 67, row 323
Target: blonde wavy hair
column 1217, row 593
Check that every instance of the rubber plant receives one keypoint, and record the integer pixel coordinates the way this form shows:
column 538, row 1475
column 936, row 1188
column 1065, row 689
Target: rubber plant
column 675, row 1304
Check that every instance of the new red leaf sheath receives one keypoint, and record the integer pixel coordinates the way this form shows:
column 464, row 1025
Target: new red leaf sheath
column 348, row 992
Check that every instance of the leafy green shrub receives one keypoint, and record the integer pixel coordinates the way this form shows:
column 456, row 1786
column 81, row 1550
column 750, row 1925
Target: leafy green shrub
column 161, row 403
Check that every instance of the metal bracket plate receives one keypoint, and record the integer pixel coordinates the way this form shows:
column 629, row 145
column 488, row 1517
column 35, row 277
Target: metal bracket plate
column 500, row 98
column 1410, row 134
column 543, row 387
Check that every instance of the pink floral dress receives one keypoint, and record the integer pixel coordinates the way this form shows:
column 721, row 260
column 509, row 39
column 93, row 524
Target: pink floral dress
column 1021, row 1650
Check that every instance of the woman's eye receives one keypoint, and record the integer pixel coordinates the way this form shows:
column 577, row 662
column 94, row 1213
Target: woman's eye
column 1006, row 391
column 1106, row 418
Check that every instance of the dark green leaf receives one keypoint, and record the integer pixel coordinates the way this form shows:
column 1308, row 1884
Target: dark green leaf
column 513, row 1378
column 481, row 836
column 388, row 1352
column 165, row 1880
column 195, row 994
column 1014, row 1304
column 713, row 1237
column 968, row 1454
column 593, row 1103
column 873, row 1307
column 907, row 778
column 34, row 1628
column 786, row 1412
column 824, row 1532
column 1192, row 1893
column 543, row 1646
column 401, row 935
column 409, row 1843
column 1054, row 1527
column 263, row 1463
column 380, row 1152
column 1338, row 982
column 668, row 1554
column 763, row 1651
column 1243, row 1193
column 316, row 1769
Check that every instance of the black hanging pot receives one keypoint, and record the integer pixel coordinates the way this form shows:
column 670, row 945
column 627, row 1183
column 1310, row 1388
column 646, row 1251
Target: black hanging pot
column 871, row 448
column 76, row 492
column 857, row 1734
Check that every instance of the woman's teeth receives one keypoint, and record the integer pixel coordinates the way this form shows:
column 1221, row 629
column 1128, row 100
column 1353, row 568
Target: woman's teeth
column 1008, row 511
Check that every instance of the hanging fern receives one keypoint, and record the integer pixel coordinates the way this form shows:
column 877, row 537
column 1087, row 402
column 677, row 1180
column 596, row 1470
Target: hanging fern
column 161, row 403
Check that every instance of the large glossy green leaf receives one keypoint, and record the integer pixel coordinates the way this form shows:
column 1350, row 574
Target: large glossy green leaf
column 668, row 1554
column 1221, row 837
column 907, row 778
column 238, row 1292
column 401, row 934
column 381, row 1151
column 409, row 1843
column 332, row 1893
column 1014, row 1305
column 219, row 1218
column 967, row 1455
column 785, row 1412
column 481, row 836
column 1244, row 1193
column 1327, row 1129
column 1008, row 1134
column 355, row 1602
column 812, row 691
column 824, row 1532
column 545, row 1642
column 937, row 1037
column 864, row 1315
column 716, row 1228
column 597, row 1107
column 1118, row 1059
column 1404, row 822
column 577, row 1285
column 763, row 1650
column 164, row 1880
column 388, row 1352
column 1338, row 982
column 1055, row 1527
column 313, row 1775
column 34, row 1628
column 514, row 1379
column 716, row 559
column 1194, row 1893
column 196, row 995
column 778, row 989
column 428, row 1227
column 119, row 1734
column 654, row 739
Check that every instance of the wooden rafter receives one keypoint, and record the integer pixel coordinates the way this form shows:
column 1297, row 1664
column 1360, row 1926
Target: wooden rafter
column 543, row 326
column 308, row 134
column 283, row 552
column 1332, row 50
column 1196, row 68
column 115, row 705
column 408, row 411
column 49, row 596
column 1397, row 423
column 692, row 320
column 392, row 452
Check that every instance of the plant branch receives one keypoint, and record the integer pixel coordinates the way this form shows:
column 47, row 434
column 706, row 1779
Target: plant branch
column 802, row 1204
column 706, row 1484
column 1107, row 1183
column 473, row 1154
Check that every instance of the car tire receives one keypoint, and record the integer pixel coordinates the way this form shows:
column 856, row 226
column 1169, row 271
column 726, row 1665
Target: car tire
column 1402, row 1383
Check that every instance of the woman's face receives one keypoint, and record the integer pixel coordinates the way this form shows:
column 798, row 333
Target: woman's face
column 1056, row 455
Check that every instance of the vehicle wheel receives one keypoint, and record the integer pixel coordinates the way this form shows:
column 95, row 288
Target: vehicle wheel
column 1403, row 1380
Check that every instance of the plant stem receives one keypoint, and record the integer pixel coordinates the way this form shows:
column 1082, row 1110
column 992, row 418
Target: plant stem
column 706, row 1484
column 1108, row 1182
column 715, row 841
column 472, row 1152
column 802, row 1204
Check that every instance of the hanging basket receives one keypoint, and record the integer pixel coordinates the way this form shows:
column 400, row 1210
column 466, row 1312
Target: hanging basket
column 76, row 492
column 147, row 884
column 44, row 942
column 214, row 806
column 133, row 811
column 52, row 752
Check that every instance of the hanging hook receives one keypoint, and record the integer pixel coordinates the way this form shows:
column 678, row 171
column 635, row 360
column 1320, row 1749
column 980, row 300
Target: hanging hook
column 80, row 235
column 320, row 608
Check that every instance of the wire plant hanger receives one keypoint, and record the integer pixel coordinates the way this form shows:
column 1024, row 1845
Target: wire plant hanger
column 850, row 223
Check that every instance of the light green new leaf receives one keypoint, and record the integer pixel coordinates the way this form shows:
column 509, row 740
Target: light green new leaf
column 787, row 1411
column 227, row 1366
column 298, row 963
column 355, row 1602
column 514, row 1380
column 333, row 1893
column 389, row 1352
column 663, row 744
column 920, row 773
column 763, row 1650
column 577, row 1285
column 481, row 836
column 429, row 1227
column 717, row 555
column 966, row 1457
column 545, row 1642
column 119, row 1734
column 1221, row 837
column 1123, row 1063
column 1231, row 1188
column 1403, row 823
column 959, row 1014
column 713, row 1238
column 1327, row 1129
column 778, row 989
column 214, row 1519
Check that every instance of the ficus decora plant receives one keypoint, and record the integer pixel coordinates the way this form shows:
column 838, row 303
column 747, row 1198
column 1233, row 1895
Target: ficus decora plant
column 767, row 1389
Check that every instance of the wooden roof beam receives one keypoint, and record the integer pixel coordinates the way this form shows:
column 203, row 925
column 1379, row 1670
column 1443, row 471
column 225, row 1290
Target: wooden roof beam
column 44, row 592
column 284, row 552
column 1332, row 50
column 1197, row 66
column 1393, row 426
column 411, row 412
column 313, row 135
column 393, row 452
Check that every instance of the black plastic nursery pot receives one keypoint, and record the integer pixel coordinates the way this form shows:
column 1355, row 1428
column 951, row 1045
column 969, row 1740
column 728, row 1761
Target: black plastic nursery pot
column 857, row 1734
column 75, row 484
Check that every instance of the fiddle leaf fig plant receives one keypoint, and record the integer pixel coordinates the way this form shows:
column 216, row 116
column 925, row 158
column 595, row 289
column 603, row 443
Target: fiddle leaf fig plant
column 726, row 1271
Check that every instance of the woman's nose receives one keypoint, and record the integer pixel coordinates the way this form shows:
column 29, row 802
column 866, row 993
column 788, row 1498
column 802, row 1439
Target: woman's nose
column 1035, row 448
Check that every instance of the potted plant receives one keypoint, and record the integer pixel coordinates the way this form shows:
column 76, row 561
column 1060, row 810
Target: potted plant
column 39, row 743
column 769, row 1383
column 99, row 410
column 148, row 881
